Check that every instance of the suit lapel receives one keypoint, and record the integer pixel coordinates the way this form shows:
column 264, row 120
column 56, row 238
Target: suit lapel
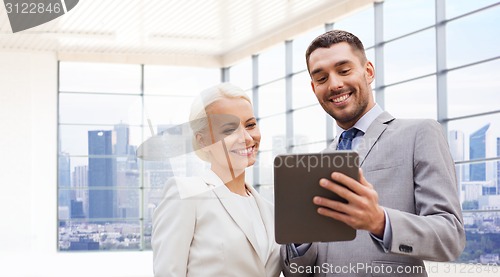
column 371, row 136
column 229, row 202
column 378, row 126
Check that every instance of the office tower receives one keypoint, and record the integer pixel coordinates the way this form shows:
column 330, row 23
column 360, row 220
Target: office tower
column 77, row 209
column 456, row 142
column 127, row 174
column 102, row 180
column 80, row 189
column 457, row 145
column 479, row 145
column 122, row 139
column 498, row 166
column 64, row 180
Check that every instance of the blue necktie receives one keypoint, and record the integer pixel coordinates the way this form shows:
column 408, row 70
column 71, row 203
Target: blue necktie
column 346, row 138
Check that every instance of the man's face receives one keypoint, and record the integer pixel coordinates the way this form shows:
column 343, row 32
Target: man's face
column 341, row 81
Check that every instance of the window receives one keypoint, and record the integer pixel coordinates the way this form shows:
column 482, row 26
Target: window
column 107, row 195
column 415, row 99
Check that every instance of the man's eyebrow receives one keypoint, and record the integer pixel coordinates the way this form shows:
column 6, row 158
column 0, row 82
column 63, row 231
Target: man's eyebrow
column 251, row 118
column 317, row 70
column 337, row 64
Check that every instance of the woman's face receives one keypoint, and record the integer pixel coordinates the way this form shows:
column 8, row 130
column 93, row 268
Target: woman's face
column 233, row 136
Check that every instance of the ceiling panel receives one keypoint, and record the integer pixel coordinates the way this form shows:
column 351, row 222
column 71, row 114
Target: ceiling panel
column 191, row 32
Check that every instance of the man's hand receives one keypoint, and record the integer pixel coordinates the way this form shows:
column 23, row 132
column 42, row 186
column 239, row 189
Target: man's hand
column 361, row 211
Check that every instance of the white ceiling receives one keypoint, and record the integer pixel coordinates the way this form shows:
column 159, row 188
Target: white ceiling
column 181, row 32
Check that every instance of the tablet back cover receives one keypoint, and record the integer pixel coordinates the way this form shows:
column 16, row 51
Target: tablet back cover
column 296, row 182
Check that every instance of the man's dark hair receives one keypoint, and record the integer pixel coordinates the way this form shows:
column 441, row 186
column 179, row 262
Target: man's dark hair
column 333, row 37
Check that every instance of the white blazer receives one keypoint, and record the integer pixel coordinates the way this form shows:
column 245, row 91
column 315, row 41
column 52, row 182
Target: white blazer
column 199, row 230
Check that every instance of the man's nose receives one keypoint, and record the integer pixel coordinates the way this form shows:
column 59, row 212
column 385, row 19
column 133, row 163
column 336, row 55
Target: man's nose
column 335, row 83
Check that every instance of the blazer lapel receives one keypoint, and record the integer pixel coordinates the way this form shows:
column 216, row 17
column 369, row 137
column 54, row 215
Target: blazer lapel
column 378, row 126
column 233, row 209
column 267, row 219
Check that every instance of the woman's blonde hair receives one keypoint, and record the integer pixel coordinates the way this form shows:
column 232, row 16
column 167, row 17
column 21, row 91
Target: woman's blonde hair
column 198, row 116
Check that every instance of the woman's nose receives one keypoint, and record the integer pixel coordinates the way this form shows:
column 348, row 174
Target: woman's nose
column 244, row 135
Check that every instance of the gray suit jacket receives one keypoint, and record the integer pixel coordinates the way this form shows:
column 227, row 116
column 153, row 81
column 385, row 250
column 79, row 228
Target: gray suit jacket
column 409, row 164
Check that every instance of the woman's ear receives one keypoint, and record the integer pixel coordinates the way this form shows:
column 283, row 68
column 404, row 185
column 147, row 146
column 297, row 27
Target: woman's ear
column 199, row 140
column 202, row 142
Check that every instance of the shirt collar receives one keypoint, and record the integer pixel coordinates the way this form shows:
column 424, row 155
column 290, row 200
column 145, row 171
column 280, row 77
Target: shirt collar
column 365, row 121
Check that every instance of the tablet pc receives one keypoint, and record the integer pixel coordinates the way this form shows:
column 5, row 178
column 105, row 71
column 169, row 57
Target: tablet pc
column 296, row 182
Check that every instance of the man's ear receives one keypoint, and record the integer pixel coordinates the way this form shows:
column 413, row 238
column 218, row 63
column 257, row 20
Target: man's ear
column 369, row 72
column 313, row 88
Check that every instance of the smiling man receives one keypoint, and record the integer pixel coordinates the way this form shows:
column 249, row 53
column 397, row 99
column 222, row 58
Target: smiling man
column 405, row 205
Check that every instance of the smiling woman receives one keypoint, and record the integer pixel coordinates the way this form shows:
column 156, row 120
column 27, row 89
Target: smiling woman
column 217, row 223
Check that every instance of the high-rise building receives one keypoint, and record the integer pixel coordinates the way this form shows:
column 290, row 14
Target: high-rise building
column 102, row 180
column 64, row 180
column 80, row 190
column 482, row 145
column 457, row 145
column 498, row 166
column 122, row 139
column 456, row 142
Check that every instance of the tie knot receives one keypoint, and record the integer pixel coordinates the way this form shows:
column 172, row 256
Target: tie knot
column 346, row 139
column 350, row 134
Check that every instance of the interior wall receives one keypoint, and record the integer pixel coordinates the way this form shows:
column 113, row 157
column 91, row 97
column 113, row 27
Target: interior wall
column 28, row 179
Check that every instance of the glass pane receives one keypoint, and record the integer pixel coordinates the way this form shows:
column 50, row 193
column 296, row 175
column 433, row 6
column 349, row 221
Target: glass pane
column 178, row 80
column 272, row 99
column 357, row 24
column 403, row 17
column 482, row 230
column 74, row 139
column 266, row 162
column 483, row 131
column 472, row 38
column 300, row 45
column 98, row 203
column 309, row 125
column 241, row 75
column 157, row 173
column 272, row 64
column 146, row 234
column 83, row 235
column 167, row 110
column 75, row 176
column 302, row 93
column 479, row 185
column 370, row 55
column 100, row 77
column 459, row 7
column 273, row 133
column 410, row 57
column 481, row 79
column 310, row 148
column 416, row 99
column 99, row 109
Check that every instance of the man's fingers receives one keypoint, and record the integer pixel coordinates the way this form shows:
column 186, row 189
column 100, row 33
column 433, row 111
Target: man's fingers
column 362, row 179
column 331, row 204
column 339, row 190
